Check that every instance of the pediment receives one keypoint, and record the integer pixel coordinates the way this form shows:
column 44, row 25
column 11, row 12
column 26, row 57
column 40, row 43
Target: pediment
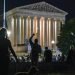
column 43, row 6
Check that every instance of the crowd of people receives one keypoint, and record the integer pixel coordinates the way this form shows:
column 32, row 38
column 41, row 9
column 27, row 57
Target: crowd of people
column 6, row 49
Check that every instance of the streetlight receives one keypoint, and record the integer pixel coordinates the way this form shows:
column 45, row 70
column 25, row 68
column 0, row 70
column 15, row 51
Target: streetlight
column 53, row 42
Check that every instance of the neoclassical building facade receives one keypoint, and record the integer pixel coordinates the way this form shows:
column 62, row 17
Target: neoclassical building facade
column 42, row 19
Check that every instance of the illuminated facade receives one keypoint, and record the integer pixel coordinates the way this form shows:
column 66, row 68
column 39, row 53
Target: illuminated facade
column 40, row 18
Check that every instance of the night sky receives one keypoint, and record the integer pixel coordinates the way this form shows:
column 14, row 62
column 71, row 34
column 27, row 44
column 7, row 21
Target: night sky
column 66, row 5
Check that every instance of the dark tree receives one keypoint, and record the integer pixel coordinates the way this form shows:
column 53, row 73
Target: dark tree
column 66, row 39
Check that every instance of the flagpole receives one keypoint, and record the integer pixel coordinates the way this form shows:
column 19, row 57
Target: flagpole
column 4, row 15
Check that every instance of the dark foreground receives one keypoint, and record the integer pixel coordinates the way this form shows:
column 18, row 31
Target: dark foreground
column 44, row 68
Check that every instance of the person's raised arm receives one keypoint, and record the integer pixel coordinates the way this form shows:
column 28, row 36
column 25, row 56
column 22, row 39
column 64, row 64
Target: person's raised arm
column 12, row 51
column 30, row 39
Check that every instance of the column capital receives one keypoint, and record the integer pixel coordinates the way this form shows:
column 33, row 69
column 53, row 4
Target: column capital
column 54, row 19
column 32, row 17
column 38, row 18
column 46, row 18
column 25, row 17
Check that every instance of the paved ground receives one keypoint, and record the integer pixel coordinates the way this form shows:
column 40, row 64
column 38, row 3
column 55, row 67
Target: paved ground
column 44, row 68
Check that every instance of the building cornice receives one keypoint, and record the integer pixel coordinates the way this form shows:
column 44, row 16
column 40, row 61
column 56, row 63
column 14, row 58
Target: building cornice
column 35, row 13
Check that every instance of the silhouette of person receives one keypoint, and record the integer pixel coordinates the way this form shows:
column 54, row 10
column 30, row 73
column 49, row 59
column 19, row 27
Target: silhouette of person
column 32, row 71
column 47, row 55
column 36, row 49
column 59, row 58
column 63, row 58
column 5, row 48
column 71, row 56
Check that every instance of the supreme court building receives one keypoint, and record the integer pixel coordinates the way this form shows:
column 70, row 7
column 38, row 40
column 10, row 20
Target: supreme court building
column 40, row 18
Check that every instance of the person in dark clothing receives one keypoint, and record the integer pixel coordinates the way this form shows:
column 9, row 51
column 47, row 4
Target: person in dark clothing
column 5, row 48
column 71, row 56
column 36, row 49
column 48, row 55
column 32, row 71
column 62, row 58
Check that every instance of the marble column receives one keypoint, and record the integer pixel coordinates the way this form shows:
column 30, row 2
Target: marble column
column 52, row 32
column 18, row 30
column 32, row 18
column 9, row 23
column 46, row 31
column 22, row 30
column 15, row 31
column 62, row 23
column 38, row 30
column 12, row 30
column 28, row 27
column 55, row 34
column 25, row 36
column 58, row 27
column 49, row 42
column 43, row 32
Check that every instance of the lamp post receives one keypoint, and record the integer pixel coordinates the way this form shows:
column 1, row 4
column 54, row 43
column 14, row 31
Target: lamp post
column 4, row 18
column 4, row 15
